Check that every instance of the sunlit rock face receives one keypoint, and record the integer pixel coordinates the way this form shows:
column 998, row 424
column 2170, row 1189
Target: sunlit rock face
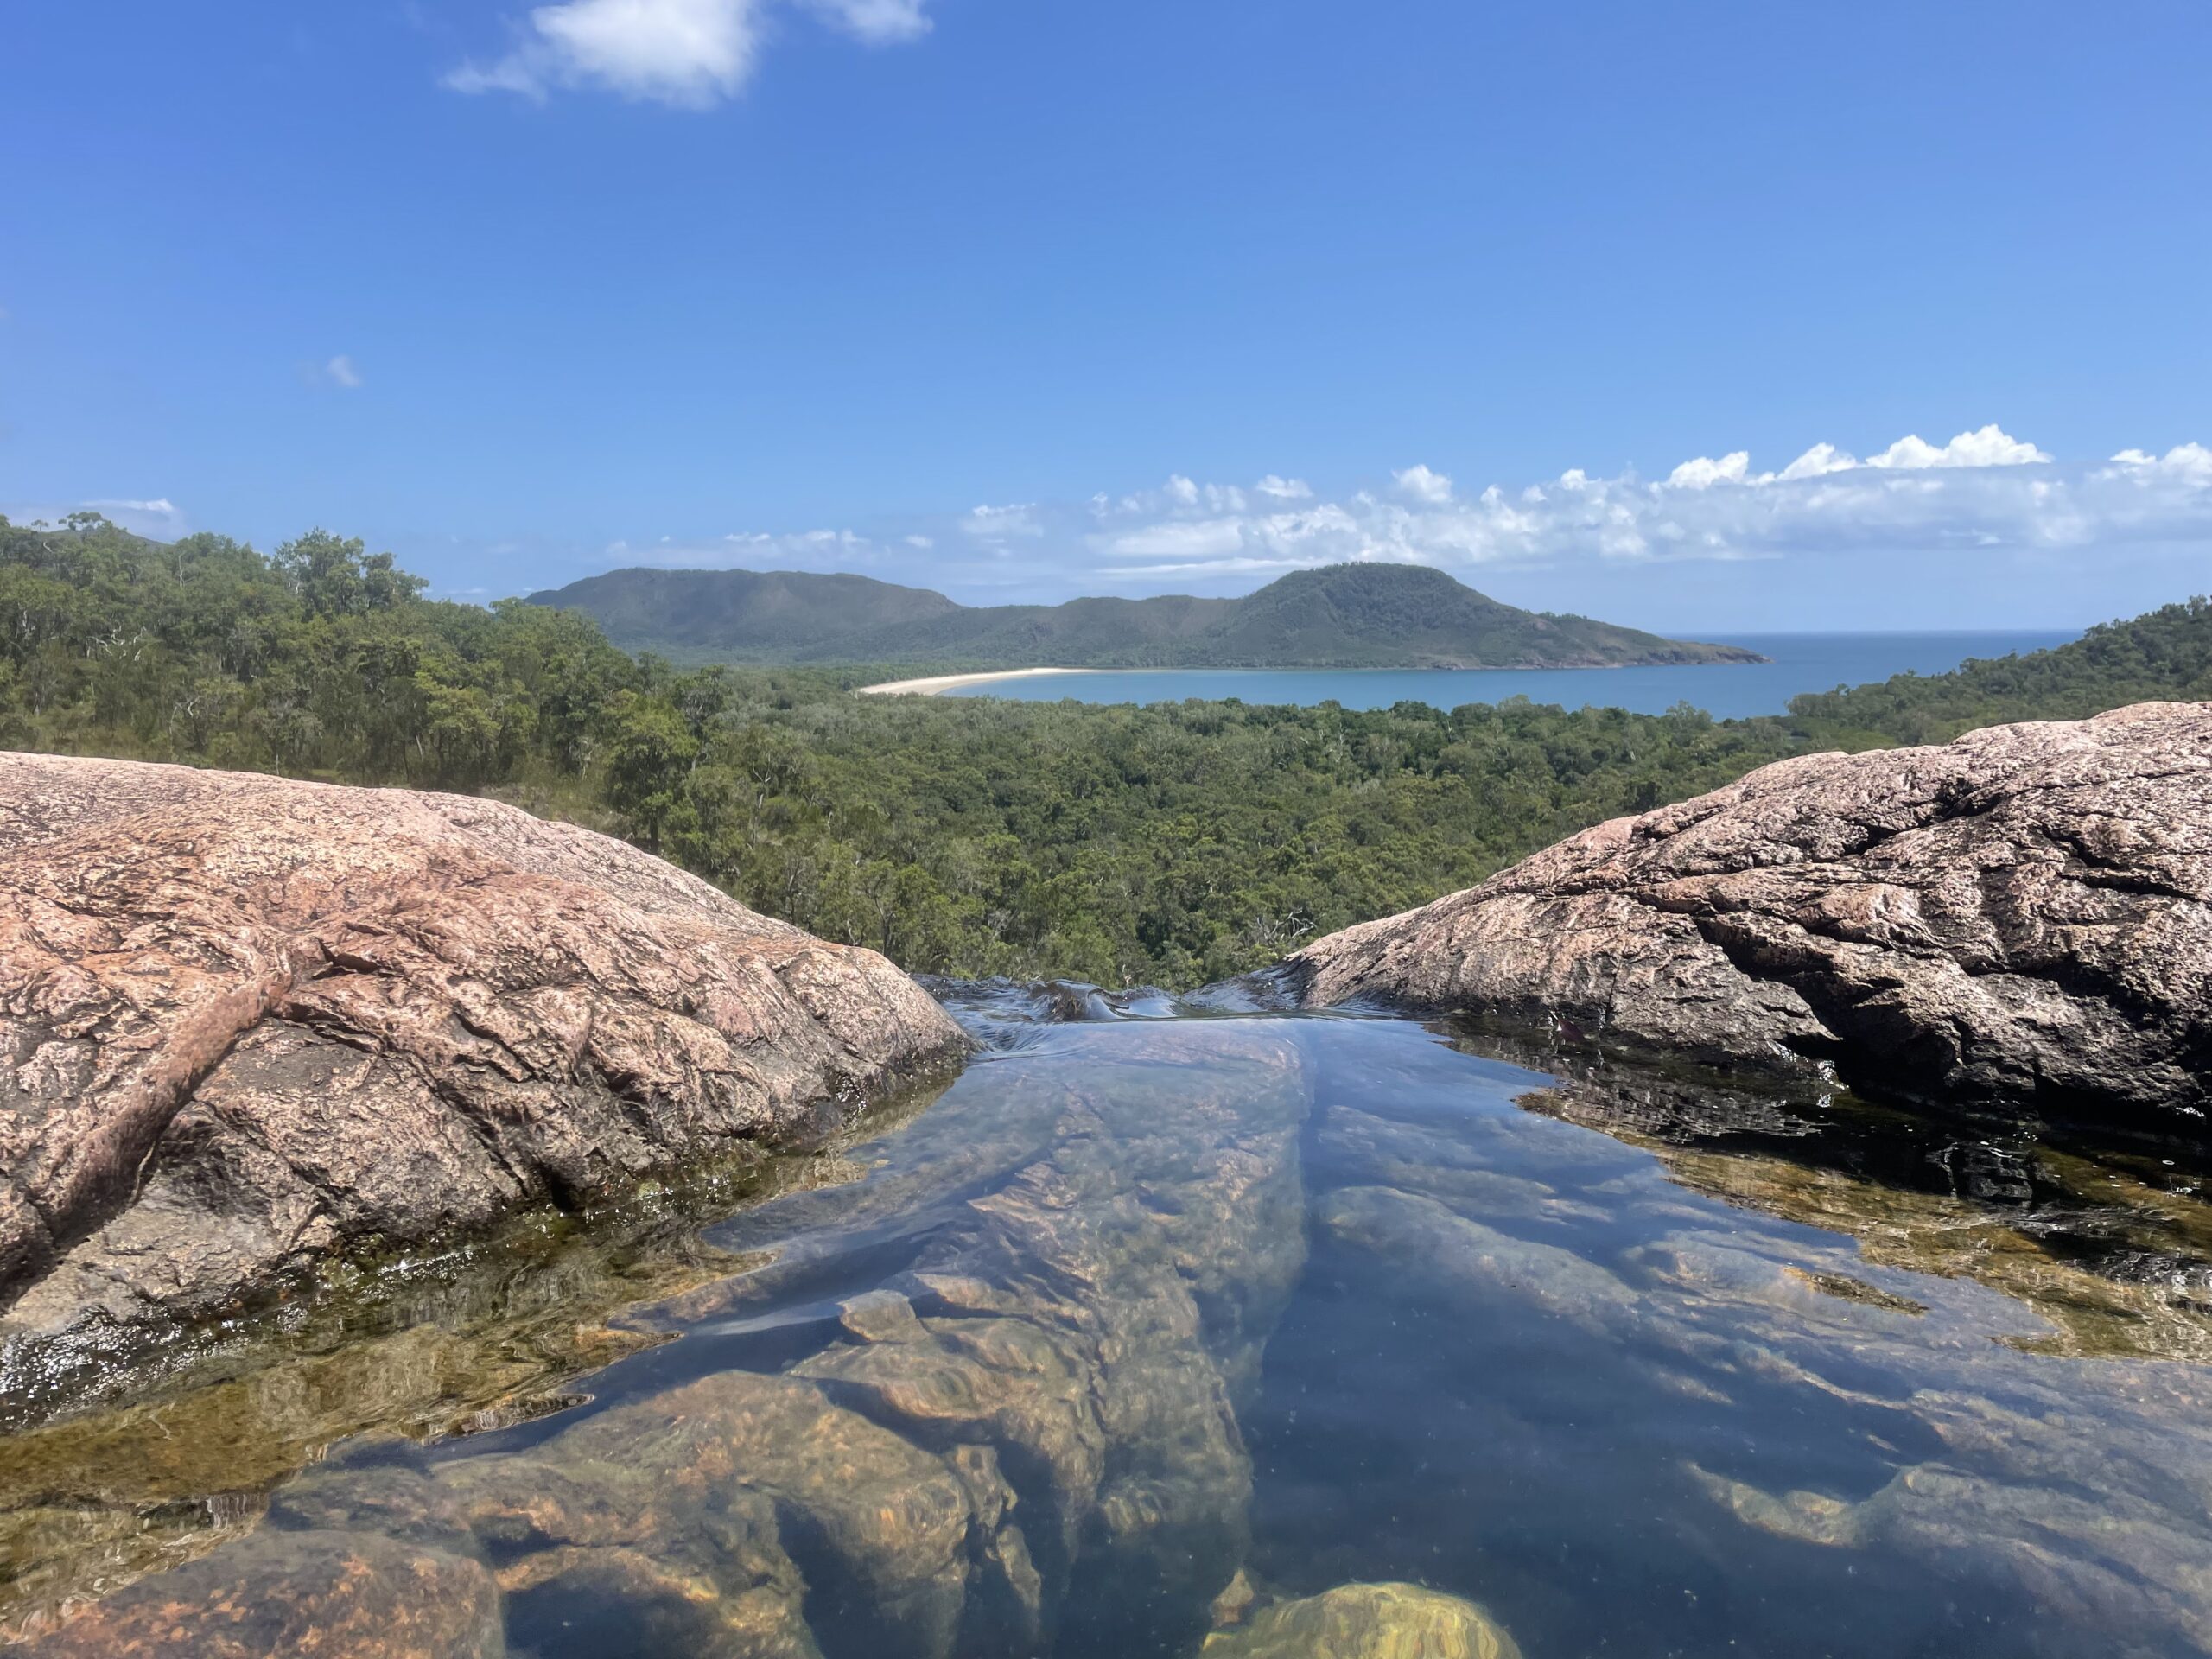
column 2021, row 918
column 249, row 1025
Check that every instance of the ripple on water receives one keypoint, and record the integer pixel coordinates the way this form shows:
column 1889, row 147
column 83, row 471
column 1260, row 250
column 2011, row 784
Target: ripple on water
column 1412, row 1349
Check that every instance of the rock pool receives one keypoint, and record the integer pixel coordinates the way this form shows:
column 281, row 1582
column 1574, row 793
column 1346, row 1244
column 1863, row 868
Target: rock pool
column 1156, row 1333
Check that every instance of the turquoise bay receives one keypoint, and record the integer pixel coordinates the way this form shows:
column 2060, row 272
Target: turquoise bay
column 1800, row 662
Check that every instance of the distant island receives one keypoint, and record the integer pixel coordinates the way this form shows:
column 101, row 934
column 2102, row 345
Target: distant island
column 1340, row 616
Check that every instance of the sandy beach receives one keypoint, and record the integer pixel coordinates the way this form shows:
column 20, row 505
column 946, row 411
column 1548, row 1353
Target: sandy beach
column 936, row 682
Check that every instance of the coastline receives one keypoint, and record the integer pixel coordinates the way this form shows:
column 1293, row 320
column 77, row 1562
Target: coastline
column 1787, row 665
column 930, row 685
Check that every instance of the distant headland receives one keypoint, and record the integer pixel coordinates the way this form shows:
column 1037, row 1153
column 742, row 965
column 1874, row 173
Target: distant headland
column 1339, row 616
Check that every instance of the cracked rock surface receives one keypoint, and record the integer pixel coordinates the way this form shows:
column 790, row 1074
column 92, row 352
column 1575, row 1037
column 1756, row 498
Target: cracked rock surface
column 2021, row 917
column 249, row 1023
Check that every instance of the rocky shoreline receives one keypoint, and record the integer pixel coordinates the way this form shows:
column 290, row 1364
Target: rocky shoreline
column 2020, row 919
column 255, row 1026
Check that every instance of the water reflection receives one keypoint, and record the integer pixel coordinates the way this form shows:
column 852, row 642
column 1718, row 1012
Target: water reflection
column 1250, row 1335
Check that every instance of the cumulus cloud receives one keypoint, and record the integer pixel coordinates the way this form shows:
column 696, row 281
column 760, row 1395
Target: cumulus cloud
column 1422, row 484
column 690, row 54
column 1991, row 491
column 342, row 372
column 1983, row 489
column 1990, row 446
column 1704, row 472
column 1817, row 463
column 2187, row 463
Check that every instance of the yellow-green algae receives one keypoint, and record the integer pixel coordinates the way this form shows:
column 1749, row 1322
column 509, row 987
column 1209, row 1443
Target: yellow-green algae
column 1368, row 1621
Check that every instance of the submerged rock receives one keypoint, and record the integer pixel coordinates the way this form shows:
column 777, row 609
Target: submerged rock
column 1021, row 1421
column 1957, row 1449
column 2022, row 915
column 337, row 1596
column 1368, row 1621
column 249, row 1024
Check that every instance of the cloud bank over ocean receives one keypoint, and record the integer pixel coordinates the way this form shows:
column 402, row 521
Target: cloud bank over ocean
column 1980, row 495
column 1982, row 490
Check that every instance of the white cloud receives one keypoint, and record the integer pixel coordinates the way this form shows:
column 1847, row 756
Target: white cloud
column 339, row 372
column 1704, row 472
column 1285, row 489
column 1823, row 504
column 1988, row 448
column 1203, row 538
column 691, row 53
column 1817, row 463
column 683, row 52
column 879, row 23
column 802, row 549
column 1422, row 484
column 2187, row 462
column 992, row 524
column 1206, row 567
column 1982, row 490
column 158, row 517
column 1178, row 495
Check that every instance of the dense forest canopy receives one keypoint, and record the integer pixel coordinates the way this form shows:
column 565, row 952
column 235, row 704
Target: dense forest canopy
column 1171, row 844
column 1375, row 616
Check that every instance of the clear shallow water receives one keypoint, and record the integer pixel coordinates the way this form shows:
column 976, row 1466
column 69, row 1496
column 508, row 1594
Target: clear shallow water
column 1142, row 1303
column 1801, row 662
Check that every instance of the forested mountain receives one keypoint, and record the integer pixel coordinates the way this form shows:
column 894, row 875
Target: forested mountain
column 744, row 616
column 2165, row 655
column 1344, row 616
column 1172, row 844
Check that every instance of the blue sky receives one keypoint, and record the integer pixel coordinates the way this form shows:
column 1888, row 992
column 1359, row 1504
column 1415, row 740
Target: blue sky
column 1025, row 298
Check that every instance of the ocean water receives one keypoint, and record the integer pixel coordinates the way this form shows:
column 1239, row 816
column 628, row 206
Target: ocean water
column 1801, row 662
column 1156, row 1334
